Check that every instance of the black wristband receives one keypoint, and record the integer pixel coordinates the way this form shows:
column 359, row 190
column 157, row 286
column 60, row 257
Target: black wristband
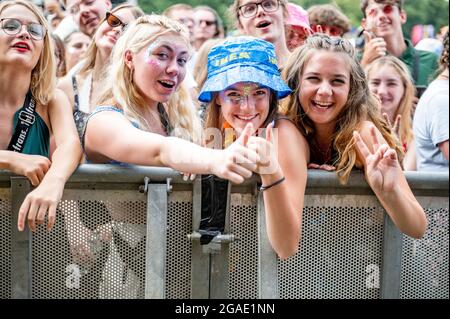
column 263, row 188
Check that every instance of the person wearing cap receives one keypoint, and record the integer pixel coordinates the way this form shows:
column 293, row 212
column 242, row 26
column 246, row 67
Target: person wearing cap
column 243, row 88
column 328, row 19
column 148, row 113
column 263, row 19
column 296, row 26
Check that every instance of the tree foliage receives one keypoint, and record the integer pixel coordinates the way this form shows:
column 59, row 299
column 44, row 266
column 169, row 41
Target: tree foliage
column 433, row 12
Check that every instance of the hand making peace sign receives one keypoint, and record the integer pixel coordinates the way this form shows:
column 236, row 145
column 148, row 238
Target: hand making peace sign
column 381, row 166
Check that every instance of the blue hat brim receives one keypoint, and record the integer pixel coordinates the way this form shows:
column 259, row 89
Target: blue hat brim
column 221, row 81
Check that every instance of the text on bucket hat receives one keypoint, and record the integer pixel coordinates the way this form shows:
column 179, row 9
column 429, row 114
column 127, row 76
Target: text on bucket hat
column 243, row 59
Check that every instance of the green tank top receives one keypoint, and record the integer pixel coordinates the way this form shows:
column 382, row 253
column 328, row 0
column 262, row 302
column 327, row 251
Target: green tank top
column 38, row 138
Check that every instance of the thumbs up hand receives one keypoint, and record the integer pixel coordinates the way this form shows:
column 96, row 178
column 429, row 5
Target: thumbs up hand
column 374, row 48
column 266, row 148
column 237, row 162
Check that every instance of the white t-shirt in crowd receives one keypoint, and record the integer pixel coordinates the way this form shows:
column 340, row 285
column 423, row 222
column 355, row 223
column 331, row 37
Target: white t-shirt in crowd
column 431, row 127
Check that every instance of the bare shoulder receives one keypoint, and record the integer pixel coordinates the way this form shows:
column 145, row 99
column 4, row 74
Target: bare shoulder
column 109, row 120
column 291, row 139
column 289, row 133
column 59, row 100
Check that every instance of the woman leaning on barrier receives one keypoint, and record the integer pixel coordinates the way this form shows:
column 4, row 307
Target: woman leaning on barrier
column 31, row 110
column 334, row 109
column 243, row 88
column 151, row 119
column 145, row 108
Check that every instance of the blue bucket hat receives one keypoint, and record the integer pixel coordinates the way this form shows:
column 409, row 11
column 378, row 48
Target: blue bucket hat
column 243, row 59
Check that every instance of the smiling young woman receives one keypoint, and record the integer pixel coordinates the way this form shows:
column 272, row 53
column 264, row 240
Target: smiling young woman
column 150, row 116
column 145, row 107
column 334, row 108
column 244, row 89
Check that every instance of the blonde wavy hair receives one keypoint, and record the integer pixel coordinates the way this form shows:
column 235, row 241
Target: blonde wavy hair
column 405, row 106
column 233, row 11
column 121, row 91
column 43, row 75
column 361, row 103
column 90, row 55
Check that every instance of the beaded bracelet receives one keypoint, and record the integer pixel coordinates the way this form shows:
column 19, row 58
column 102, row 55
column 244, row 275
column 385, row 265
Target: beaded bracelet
column 263, row 188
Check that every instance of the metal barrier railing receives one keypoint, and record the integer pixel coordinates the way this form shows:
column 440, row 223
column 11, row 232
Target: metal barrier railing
column 131, row 233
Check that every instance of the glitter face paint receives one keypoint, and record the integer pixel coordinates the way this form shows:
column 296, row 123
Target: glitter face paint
column 149, row 52
column 247, row 90
column 247, row 95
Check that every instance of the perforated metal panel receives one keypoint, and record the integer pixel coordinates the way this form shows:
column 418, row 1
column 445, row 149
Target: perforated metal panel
column 340, row 250
column 97, row 249
column 5, row 243
column 178, row 258
column 243, row 260
column 425, row 265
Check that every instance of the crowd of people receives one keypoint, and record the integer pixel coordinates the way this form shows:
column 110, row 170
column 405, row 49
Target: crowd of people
column 284, row 93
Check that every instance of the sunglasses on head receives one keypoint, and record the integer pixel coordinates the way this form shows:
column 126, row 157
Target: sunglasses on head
column 113, row 21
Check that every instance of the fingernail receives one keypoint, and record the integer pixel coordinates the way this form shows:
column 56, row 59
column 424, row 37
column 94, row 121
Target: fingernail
column 185, row 178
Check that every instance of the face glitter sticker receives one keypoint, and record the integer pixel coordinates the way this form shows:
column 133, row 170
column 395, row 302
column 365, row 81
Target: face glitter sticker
column 149, row 52
column 247, row 90
column 152, row 62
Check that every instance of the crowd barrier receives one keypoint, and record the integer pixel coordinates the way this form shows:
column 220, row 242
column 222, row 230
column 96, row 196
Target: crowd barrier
column 132, row 232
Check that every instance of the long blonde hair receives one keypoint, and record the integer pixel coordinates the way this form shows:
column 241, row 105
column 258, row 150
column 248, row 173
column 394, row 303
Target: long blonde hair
column 90, row 55
column 406, row 103
column 121, row 91
column 361, row 103
column 43, row 75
